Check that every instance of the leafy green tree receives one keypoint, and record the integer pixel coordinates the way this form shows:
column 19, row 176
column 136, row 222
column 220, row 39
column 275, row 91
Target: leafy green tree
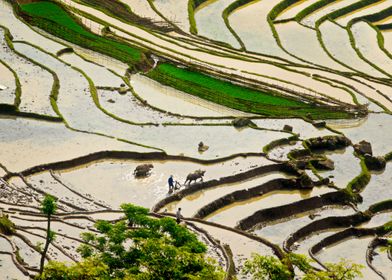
column 271, row 268
column 266, row 268
column 90, row 268
column 48, row 207
column 344, row 270
column 139, row 248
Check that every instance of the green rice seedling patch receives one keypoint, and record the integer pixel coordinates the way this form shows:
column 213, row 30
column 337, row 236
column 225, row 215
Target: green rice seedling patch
column 236, row 96
column 55, row 20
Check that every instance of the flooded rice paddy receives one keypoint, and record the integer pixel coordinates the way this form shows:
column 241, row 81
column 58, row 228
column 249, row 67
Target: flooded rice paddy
column 66, row 130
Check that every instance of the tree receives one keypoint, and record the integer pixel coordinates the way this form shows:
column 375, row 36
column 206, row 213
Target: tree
column 140, row 247
column 271, row 268
column 48, row 207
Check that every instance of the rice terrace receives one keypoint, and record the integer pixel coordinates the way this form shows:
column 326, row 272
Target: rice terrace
column 196, row 139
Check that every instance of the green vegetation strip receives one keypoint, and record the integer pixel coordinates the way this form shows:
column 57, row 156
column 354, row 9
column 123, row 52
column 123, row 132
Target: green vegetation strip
column 237, row 97
column 359, row 183
column 192, row 5
column 55, row 20
column 312, row 8
column 376, row 16
column 349, row 9
column 226, row 13
column 279, row 8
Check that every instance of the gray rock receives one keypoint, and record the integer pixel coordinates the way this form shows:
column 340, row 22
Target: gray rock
column 363, row 148
column 288, row 128
column 375, row 163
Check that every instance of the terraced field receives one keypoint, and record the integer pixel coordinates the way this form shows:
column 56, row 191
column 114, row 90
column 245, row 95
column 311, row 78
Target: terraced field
column 283, row 93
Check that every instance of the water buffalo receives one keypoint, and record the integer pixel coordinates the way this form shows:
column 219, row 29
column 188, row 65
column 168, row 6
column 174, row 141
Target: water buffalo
column 198, row 174
column 143, row 170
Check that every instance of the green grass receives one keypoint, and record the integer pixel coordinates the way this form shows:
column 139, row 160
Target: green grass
column 237, row 97
column 55, row 20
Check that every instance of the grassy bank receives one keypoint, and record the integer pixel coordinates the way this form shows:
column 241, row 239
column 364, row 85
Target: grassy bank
column 56, row 21
column 238, row 97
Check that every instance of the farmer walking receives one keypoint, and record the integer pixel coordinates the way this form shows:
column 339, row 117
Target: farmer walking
column 178, row 216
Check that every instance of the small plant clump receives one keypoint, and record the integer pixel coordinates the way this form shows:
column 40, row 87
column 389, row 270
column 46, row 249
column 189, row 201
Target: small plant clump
column 6, row 226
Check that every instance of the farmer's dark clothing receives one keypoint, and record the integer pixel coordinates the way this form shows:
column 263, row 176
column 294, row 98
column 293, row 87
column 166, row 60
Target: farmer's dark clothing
column 171, row 183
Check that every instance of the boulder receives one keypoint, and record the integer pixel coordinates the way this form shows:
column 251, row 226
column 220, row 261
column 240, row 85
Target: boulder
column 301, row 164
column 305, row 182
column 241, row 122
column 325, row 164
column 300, row 153
column 328, row 142
column 375, row 163
column 363, row 148
column 288, row 128
column 320, row 124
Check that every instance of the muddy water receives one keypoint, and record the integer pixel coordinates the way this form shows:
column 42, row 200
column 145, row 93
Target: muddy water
column 130, row 108
column 191, row 204
column 351, row 249
column 100, row 75
column 301, row 127
column 384, row 88
column 231, row 214
column 303, row 246
column 2, row 172
column 311, row 19
column 12, row 271
column 5, row 246
column 293, row 10
column 118, row 176
column 175, row 11
column 363, row 89
column 7, row 79
column 378, row 220
column 280, row 231
column 210, row 23
column 143, row 9
column 257, row 34
column 241, row 246
column 281, row 152
column 175, row 101
column 337, row 42
column 53, row 252
column 382, row 262
column 48, row 184
column 366, row 41
column 347, row 167
column 376, row 129
column 293, row 35
column 29, row 255
column 367, row 10
column 78, row 108
column 378, row 189
column 20, row 137
column 36, row 82
column 388, row 40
